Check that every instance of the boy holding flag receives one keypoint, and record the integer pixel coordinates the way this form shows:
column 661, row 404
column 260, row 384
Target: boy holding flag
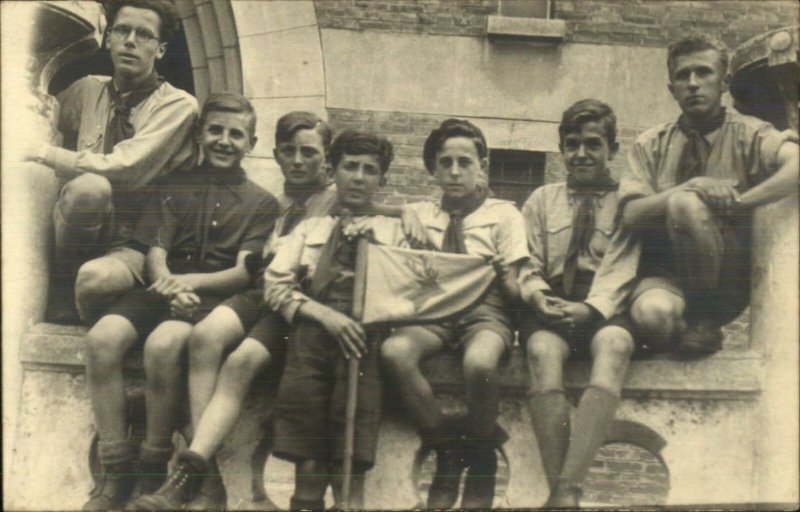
column 310, row 282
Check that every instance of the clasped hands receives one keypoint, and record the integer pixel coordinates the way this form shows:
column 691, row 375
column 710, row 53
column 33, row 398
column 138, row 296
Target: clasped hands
column 558, row 312
column 179, row 290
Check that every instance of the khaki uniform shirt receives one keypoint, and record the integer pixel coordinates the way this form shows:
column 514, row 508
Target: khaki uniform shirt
column 611, row 256
column 162, row 140
column 298, row 255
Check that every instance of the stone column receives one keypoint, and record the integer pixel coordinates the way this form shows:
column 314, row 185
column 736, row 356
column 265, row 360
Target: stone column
column 770, row 62
column 33, row 49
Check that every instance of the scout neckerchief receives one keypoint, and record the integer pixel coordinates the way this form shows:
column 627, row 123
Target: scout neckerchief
column 583, row 222
column 458, row 208
column 694, row 157
column 119, row 127
column 338, row 253
column 299, row 195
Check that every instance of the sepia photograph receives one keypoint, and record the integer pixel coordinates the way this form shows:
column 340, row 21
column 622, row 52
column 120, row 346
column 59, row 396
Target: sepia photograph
column 316, row 255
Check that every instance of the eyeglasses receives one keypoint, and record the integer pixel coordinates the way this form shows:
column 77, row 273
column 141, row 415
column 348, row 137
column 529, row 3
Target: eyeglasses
column 143, row 35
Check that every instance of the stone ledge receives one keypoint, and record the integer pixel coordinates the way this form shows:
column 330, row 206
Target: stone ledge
column 530, row 29
column 729, row 374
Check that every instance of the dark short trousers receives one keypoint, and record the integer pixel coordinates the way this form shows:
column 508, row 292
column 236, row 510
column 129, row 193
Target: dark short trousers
column 487, row 316
column 579, row 339
column 147, row 310
column 260, row 323
column 312, row 397
column 658, row 270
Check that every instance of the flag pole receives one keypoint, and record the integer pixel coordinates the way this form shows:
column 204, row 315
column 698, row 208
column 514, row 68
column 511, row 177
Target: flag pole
column 352, row 373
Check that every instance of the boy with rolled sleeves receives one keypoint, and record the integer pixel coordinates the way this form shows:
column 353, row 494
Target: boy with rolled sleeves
column 199, row 228
column 310, row 282
column 465, row 221
column 577, row 281
column 689, row 190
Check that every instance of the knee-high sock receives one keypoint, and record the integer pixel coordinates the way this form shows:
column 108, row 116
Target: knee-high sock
column 549, row 412
column 590, row 429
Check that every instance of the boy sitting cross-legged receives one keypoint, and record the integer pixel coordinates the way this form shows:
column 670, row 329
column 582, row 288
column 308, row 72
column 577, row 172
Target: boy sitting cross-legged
column 311, row 282
column 199, row 227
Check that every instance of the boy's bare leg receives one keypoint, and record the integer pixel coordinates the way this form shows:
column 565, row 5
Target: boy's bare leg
column 482, row 355
column 401, row 355
column 209, row 338
column 658, row 315
column 612, row 347
column 697, row 241
column 219, row 417
column 547, row 405
column 106, row 344
column 164, row 372
column 99, row 282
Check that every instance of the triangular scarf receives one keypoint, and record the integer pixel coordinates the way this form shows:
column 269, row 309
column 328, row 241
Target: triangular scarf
column 119, row 127
column 300, row 195
column 583, row 223
column 458, row 208
column 338, row 253
column 694, row 157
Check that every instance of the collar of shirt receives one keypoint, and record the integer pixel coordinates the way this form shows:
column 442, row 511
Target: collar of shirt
column 574, row 195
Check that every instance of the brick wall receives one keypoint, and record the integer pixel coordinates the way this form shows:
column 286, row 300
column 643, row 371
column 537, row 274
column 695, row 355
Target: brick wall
column 627, row 22
column 626, row 475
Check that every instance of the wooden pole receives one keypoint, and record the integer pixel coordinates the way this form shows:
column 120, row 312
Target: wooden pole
column 352, row 374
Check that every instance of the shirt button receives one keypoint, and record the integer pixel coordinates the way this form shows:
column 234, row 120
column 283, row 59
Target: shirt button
column 214, row 223
column 217, row 205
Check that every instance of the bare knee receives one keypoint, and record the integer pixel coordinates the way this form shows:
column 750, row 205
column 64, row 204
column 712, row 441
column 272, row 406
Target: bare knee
column 657, row 314
column 398, row 353
column 482, row 357
column 162, row 353
column 204, row 346
column 244, row 363
column 613, row 343
column 84, row 197
column 102, row 276
column 684, row 208
column 106, row 344
column 546, row 349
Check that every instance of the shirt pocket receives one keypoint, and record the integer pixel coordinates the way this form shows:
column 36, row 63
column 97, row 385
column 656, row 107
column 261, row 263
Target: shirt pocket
column 558, row 233
column 312, row 247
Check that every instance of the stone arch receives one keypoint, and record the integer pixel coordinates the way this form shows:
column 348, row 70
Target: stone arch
column 213, row 46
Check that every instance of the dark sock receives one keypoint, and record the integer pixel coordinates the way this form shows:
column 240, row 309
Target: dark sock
column 549, row 412
column 304, row 504
column 593, row 421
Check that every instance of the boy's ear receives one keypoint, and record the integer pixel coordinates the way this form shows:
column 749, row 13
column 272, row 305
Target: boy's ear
column 485, row 165
column 383, row 180
column 197, row 131
column 613, row 150
column 162, row 49
column 329, row 170
column 253, row 141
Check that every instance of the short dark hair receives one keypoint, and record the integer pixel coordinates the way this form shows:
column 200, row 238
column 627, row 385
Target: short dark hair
column 587, row 111
column 291, row 123
column 351, row 142
column 228, row 102
column 694, row 44
column 166, row 10
column 447, row 130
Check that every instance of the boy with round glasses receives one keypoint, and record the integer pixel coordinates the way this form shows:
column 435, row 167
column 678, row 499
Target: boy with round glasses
column 120, row 134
